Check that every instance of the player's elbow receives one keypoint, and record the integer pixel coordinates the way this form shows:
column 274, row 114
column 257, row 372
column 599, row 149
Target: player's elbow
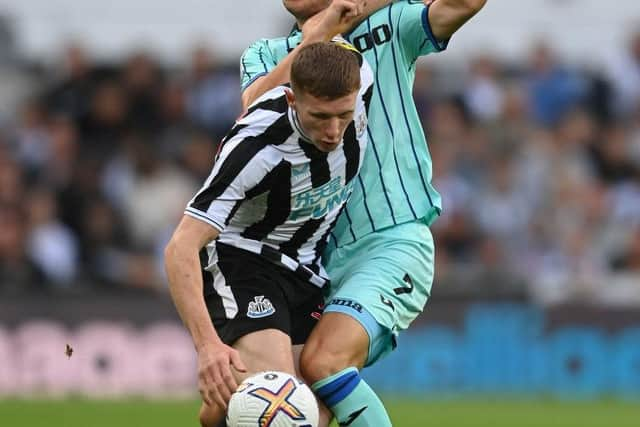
column 173, row 249
column 170, row 252
column 471, row 7
column 247, row 98
column 462, row 8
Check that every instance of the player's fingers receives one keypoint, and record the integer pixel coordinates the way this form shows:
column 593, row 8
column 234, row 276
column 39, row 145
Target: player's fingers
column 237, row 362
column 227, row 382
column 203, row 387
column 205, row 396
column 348, row 7
column 216, row 397
column 360, row 6
column 218, row 391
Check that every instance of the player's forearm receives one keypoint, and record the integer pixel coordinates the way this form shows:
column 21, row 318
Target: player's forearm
column 372, row 6
column 447, row 16
column 280, row 74
column 185, row 284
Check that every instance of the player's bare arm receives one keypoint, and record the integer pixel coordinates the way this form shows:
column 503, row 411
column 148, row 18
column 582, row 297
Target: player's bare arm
column 447, row 16
column 215, row 379
column 341, row 16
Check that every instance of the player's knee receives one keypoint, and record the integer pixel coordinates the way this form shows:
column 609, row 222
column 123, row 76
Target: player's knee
column 318, row 362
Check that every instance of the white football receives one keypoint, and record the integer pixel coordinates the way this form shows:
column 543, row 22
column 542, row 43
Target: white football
column 272, row 399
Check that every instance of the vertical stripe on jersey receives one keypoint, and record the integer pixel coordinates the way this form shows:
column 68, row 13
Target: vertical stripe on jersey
column 384, row 187
column 237, row 160
column 318, row 166
column 278, row 204
column 386, row 114
column 207, row 277
column 324, row 239
column 404, row 112
column 366, row 205
column 266, row 70
column 300, row 237
column 351, row 149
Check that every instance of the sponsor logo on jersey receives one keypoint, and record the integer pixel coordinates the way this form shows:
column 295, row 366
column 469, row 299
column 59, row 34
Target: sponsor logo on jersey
column 346, row 303
column 319, row 201
column 260, row 307
column 301, row 172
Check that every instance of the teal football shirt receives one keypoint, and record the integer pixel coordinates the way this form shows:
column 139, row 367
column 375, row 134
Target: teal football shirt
column 394, row 186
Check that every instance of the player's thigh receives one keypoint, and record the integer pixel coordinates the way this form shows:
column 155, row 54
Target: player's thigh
column 384, row 282
column 338, row 341
column 266, row 350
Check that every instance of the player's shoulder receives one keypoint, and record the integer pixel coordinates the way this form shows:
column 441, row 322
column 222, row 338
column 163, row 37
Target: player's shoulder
column 273, row 100
column 269, row 111
column 267, row 43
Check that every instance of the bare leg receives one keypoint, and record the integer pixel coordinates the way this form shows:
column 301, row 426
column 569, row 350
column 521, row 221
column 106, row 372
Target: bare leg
column 251, row 348
column 325, row 413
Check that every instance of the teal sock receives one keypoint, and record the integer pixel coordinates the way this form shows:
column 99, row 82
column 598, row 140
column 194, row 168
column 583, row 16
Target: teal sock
column 351, row 400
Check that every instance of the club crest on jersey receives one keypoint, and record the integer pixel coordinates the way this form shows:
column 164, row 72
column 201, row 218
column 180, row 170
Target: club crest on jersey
column 260, row 307
column 361, row 125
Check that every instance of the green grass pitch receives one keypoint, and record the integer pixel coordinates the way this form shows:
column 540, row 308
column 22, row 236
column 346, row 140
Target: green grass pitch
column 404, row 413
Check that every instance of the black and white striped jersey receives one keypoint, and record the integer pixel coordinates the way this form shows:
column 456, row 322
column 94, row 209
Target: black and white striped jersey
column 272, row 192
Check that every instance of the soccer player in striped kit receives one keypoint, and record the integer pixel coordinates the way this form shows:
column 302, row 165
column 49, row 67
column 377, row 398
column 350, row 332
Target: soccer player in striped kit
column 260, row 222
column 381, row 255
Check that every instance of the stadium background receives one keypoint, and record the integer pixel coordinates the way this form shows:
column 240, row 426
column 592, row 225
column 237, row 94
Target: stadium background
column 109, row 118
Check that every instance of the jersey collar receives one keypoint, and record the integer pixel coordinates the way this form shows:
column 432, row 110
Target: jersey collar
column 297, row 126
column 294, row 30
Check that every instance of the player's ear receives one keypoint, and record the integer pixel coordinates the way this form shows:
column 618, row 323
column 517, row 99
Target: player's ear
column 291, row 98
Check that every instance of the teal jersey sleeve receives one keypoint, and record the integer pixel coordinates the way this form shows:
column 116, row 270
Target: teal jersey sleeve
column 414, row 30
column 264, row 55
column 256, row 62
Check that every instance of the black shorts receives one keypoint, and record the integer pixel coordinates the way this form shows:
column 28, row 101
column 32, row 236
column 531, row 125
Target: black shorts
column 246, row 293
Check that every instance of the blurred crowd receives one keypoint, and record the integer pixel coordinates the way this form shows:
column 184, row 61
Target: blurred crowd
column 538, row 163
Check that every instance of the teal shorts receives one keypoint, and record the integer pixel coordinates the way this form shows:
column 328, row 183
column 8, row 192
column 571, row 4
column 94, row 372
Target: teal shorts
column 383, row 280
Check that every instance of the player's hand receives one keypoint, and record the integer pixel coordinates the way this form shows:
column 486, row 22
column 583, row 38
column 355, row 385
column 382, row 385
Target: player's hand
column 339, row 17
column 216, row 382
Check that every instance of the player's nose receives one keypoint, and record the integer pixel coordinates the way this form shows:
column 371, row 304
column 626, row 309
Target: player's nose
column 332, row 131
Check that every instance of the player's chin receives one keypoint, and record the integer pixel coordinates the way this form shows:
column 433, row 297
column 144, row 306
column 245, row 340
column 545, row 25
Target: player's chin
column 327, row 147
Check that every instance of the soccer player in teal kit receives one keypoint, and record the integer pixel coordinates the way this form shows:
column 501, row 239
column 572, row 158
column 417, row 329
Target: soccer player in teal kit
column 380, row 256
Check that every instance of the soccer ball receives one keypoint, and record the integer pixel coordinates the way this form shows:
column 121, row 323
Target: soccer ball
column 272, row 399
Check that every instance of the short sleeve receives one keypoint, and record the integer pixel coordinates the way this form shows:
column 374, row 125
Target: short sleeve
column 414, row 28
column 256, row 61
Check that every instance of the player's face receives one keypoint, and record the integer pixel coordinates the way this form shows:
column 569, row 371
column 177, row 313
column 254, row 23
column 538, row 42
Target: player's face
column 305, row 9
column 324, row 120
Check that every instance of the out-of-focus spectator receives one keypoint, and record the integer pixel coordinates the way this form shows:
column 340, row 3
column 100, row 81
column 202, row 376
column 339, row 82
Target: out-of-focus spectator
column 623, row 72
column 629, row 258
column 483, row 94
column 155, row 195
column 553, row 88
column 104, row 126
column 32, row 143
column 18, row 273
column 11, row 181
column 51, row 245
column 70, row 93
column 213, row 94
column 143, row 87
